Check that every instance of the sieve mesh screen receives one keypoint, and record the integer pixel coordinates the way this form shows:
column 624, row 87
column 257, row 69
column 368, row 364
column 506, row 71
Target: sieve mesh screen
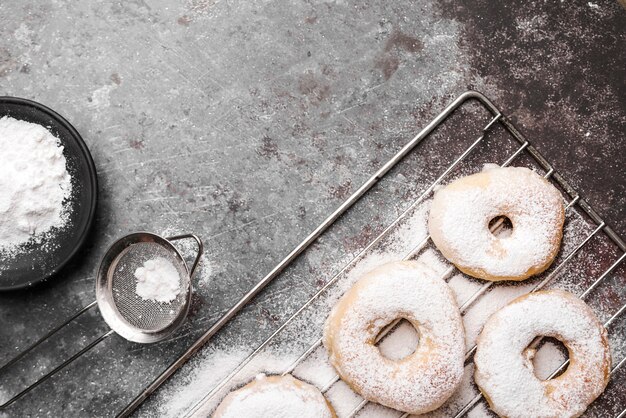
column 146, row 315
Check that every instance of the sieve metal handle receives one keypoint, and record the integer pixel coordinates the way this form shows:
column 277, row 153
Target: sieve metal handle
column 200, row 249
column 56, row 370
column 46, row 337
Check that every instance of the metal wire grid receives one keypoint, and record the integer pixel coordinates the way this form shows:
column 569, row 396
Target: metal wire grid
column 571, row 195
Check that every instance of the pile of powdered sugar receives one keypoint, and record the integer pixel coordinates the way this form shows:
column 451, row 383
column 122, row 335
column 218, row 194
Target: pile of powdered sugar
column 158, row 280
column 34, row 183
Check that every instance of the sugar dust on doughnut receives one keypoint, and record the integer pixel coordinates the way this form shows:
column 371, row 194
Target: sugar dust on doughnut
column 462, row 211
column 504, row 369
column 420, row 382
column 275, row 397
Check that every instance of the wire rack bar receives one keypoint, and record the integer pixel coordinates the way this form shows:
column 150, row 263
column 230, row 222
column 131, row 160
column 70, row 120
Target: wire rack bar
column 618, row 365
column 45, row 337
column 525, row 146
column 471, row 351
column 54, row 371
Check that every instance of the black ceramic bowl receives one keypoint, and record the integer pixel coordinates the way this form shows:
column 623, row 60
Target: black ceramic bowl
column 37, row 262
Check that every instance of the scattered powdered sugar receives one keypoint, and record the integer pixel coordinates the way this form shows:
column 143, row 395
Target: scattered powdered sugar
column 274, row 397
column 316, row 368
column 463, row 288
column 343, row 399
column 502, row 371
column 406, row 236
column 373, row 410
column 209, row 369
column 158, row 280
column 34, row 184
column 479, row 411
column 460, row 215
column 215, row 363
column 485, row 306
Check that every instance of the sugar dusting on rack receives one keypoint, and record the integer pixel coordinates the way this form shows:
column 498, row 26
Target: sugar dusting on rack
column 215, row 364
column 291, row 342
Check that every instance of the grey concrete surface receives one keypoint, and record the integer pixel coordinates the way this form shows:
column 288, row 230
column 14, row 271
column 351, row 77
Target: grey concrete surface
column 248, row 122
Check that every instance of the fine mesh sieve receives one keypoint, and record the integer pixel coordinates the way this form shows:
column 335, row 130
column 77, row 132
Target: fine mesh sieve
column 126, row 313
column 129, row 315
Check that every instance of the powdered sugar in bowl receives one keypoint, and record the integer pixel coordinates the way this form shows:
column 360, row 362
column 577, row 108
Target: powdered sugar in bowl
column 48, row 192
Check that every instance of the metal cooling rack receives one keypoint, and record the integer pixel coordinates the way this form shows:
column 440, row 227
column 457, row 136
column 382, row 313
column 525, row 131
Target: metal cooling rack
column 570, row 194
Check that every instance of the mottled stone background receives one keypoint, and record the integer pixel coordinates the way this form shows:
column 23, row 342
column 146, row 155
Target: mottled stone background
column 248, row 122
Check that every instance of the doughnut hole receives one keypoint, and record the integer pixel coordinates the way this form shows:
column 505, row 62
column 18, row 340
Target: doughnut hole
column 547, row 358
column 501, row 226
column 400, row 342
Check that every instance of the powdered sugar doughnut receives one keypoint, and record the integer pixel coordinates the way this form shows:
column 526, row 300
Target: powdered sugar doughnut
column 275, row 397
column 504, row 369
column 423, row 380
column 461, row 212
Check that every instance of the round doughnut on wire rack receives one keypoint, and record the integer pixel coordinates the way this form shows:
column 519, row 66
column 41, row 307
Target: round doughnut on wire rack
column 523, row 149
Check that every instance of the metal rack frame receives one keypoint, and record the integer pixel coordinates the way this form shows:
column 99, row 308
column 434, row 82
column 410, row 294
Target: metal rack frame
column 551, row 173
column 571, row 196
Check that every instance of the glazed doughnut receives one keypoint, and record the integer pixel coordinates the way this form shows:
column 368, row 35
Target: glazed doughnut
column 504, row 370
column 461, row 212
column 275, row 397
column 423, row 380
